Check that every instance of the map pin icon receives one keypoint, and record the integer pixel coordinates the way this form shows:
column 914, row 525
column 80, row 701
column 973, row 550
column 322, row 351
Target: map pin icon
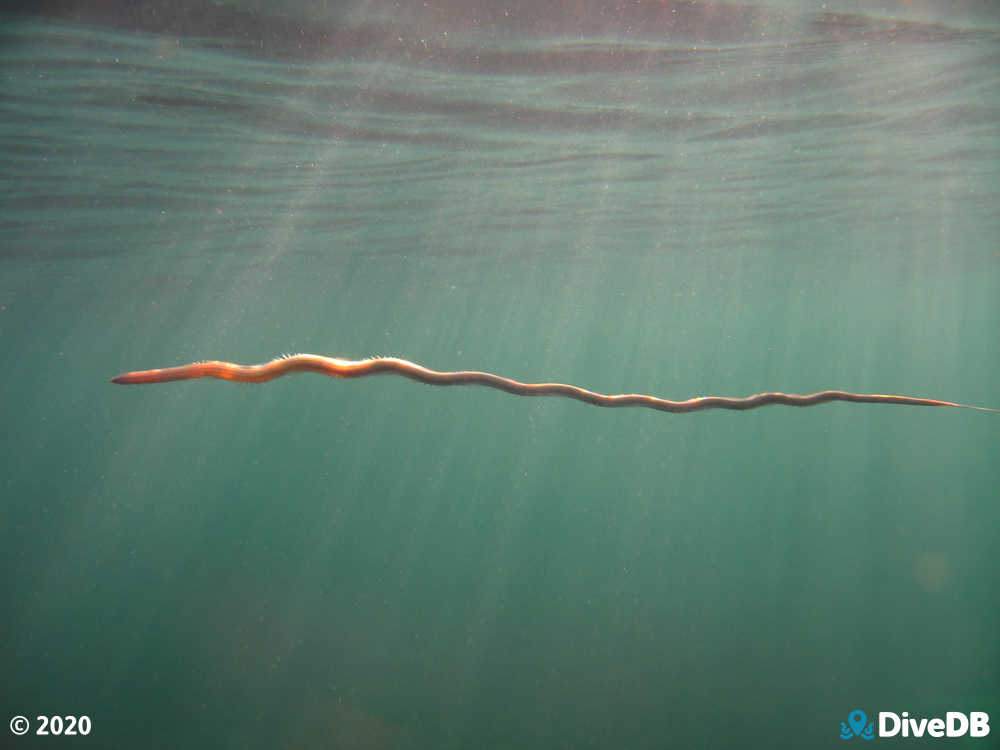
column 857, row 720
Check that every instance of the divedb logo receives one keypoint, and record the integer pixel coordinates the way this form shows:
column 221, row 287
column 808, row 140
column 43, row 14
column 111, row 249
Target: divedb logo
column 954, row 724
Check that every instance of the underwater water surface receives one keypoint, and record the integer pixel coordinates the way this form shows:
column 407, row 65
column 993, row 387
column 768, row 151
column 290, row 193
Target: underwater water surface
column 674, row 199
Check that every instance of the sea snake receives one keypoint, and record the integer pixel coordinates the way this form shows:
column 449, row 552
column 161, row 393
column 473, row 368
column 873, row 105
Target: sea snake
column 344, row 368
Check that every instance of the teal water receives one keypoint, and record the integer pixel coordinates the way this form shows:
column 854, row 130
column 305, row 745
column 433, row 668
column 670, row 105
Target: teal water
column 704, row 199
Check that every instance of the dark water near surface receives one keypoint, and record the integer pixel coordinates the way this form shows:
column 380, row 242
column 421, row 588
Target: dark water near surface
column 682, row 199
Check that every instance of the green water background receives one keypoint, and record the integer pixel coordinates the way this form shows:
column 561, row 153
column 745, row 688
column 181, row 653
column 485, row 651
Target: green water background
column 378, row 563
